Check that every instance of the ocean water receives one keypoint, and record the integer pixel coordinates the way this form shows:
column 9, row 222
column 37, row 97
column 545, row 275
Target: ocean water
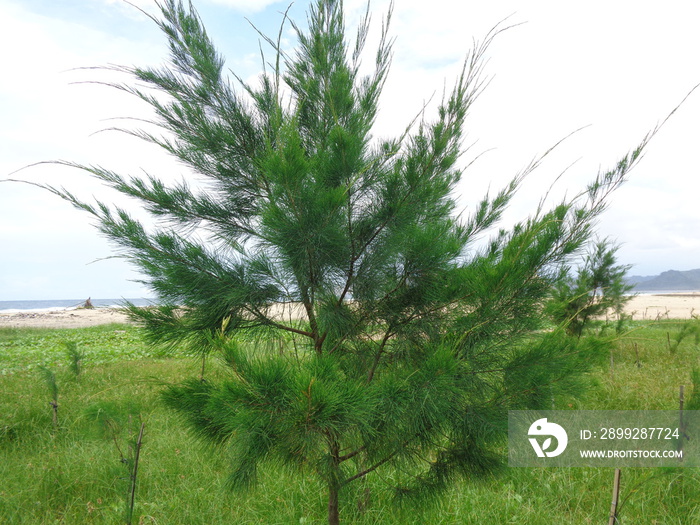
column 66, row 304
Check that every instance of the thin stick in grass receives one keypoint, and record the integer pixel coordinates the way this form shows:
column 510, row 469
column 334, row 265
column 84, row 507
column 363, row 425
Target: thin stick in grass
column 615, row 498
column 681, row 420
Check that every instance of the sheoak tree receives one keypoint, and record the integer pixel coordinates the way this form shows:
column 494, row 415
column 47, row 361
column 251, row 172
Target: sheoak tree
column 399, row 342
column 598, row 287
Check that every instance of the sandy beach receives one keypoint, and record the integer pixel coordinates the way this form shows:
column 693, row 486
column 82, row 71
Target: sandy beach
column 62, row 318
column 664, row 306
column 641, row 307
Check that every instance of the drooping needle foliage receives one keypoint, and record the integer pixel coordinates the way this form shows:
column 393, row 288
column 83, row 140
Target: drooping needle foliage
column 400, row 343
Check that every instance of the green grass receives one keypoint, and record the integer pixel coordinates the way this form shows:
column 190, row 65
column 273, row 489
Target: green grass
column 27, row 348
column 75, row 474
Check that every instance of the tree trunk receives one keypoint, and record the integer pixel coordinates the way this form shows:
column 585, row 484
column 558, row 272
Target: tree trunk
column 333, row 483
column 333, row 508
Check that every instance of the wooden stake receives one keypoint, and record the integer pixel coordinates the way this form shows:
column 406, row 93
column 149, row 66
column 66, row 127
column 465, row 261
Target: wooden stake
column 681, row 398
column 681, row 423
column 615, row 498
column 612, row 365
column 636, row 352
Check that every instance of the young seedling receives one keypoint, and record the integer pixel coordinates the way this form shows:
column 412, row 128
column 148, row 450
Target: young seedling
column 120, row 425
column 134, row 467
column 75, row 357
column 689, row 328
column 50, row 378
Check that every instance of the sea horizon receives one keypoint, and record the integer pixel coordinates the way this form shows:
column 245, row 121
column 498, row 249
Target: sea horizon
column 38, row 305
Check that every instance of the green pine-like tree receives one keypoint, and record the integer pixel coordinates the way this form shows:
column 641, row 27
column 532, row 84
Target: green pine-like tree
column 398, row 343
column 598, row 287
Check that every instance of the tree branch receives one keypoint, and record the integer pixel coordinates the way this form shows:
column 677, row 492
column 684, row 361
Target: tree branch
column 370, row 469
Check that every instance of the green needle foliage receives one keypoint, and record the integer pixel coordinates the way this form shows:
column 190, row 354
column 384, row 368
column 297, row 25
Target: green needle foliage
column 75, row 356
column 399, row 344
column 50, row 378
column 599, row 286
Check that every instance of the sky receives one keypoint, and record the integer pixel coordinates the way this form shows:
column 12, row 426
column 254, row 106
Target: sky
column 613, row 70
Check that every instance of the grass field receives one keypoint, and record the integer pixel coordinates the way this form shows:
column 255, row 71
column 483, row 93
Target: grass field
column 78, row 471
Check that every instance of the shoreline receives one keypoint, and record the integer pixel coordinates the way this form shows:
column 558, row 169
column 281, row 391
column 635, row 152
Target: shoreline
column 648, row 306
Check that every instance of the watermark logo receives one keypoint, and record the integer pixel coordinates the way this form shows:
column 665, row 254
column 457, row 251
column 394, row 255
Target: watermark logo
column 603, row 438
column 542, row 428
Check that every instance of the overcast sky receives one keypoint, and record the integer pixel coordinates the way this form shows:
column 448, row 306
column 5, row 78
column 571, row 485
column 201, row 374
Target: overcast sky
column 616, row 68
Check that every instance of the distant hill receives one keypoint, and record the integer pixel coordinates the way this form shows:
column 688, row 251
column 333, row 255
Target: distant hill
column 672, row 280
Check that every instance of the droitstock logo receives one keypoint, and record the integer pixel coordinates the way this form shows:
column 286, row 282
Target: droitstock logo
column 542, row 428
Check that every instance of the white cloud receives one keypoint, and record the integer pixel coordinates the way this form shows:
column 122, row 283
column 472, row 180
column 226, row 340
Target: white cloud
column 249, row 6
column 127, row 7
column 48, row 116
